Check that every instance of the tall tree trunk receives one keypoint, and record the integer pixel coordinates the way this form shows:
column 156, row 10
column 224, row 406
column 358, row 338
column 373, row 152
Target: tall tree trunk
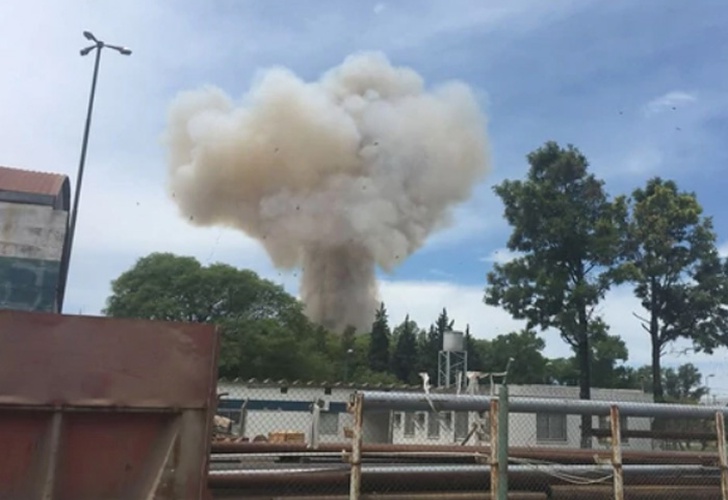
column 585, row 388
column 584, row 355
column 657, row 390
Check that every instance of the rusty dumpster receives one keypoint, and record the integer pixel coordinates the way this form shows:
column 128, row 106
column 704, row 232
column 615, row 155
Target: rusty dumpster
column 95, row 408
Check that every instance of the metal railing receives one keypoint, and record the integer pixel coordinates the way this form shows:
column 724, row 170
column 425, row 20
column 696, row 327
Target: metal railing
column 407, row 444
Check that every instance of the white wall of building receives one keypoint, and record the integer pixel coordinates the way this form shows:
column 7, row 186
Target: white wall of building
column 32, row 231
column 31, row 250
column 447, row 428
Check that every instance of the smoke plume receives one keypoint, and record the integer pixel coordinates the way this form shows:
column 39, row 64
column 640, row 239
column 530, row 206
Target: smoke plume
column 334, row 177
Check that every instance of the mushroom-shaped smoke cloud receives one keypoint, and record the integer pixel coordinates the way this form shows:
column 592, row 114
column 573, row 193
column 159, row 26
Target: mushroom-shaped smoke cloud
column 336, row 176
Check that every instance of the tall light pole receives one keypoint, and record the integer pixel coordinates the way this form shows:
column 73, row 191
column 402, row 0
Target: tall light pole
column 98, row 45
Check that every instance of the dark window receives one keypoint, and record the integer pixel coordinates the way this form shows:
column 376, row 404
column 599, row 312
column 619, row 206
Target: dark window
column 409, row 424
column 433, row 425
column 397, row 420
column 550, row 427
column 461, row 425
column 328, row 424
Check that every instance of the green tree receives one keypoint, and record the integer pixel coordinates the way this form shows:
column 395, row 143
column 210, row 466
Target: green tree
column 404, row 356
column 379, row 341
column 359, row 370
column 677, row 272
column 429, row 345
column 562, row 371
column 475, row 359
column 267, row 349
column 568, row 234
column 443, row 324
column 264, row 332
column 167, row 287
column 683, row 384
column 609, row 352
column 524, row 349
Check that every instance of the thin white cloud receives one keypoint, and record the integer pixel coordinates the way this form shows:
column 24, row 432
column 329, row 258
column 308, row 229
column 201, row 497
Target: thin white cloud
column 641, row 160
column 723, row 250
column 424, row 300
column 433, row 18
column 500, row 256
column 379, row 8
column 440, row 273
column 670, row 101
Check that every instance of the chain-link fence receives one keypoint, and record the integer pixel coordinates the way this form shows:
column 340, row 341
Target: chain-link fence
column 399, row 442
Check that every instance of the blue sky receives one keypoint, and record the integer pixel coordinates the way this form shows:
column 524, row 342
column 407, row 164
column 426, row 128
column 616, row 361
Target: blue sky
column 604, row 76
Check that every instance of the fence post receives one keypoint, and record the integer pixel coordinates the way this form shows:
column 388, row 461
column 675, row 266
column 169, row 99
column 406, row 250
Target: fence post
column 720, row 431
column 494, row 465
column 503, row 443
column 357, row 408
column 315, row 422
column 616, row 426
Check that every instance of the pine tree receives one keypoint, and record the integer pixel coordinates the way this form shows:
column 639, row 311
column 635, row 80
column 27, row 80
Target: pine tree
column 404, row 357
column 379, row 341
column 475, row 360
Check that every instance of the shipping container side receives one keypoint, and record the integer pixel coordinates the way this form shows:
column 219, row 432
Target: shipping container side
column 101, row 408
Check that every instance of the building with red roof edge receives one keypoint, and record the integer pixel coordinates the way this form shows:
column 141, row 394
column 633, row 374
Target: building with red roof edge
column 34, row 220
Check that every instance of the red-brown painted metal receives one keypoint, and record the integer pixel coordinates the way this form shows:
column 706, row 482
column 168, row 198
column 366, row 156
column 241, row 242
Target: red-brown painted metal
column 94, row 408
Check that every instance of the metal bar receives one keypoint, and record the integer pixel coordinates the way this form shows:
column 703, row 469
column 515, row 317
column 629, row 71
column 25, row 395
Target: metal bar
column 88, row 408
column 494, row 465
column 647, row 492
column 444, row 495
column 79, row 180
column 315, row 419
column 355, row 479
column 617, row 453
column 53, row 445
column 404, row 401
column 720, row 431
column 442, row 478
column 560, row 455
column 503, row 443
column 600, row 470
column 657, row 434
column 158, row 462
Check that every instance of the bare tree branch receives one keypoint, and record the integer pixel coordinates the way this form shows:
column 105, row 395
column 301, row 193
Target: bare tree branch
column 644, row 320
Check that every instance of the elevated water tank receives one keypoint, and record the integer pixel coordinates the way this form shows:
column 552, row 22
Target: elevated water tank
column 453, row 342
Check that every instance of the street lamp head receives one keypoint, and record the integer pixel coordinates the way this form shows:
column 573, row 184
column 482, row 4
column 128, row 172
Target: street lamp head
column 85, row 51
column 126, row 51
column 89, row 36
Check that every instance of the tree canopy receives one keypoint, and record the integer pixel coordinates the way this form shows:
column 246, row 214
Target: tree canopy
column 567, row 233
column 379, row 341
column 676, row 270
column 164, row 286
column 263, row 329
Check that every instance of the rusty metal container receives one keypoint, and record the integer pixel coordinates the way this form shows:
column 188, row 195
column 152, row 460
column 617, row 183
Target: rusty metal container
column 98, row 408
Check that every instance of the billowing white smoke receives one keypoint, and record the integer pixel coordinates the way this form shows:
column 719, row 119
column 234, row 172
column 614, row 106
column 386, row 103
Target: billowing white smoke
column 335, row 177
